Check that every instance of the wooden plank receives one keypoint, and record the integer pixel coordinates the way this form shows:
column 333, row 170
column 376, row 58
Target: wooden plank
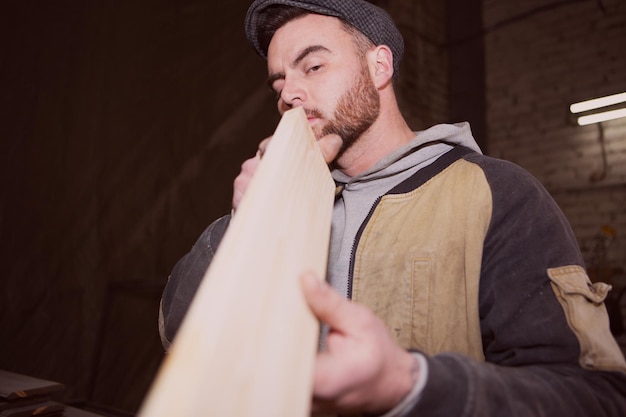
column 247, row 345
column 14, row 386
column 48, row 409
column 23, row 402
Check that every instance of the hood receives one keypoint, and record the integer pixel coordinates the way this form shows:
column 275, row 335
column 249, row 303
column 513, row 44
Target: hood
column 427, row 146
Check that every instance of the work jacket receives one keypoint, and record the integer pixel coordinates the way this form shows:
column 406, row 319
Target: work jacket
column 471, row 262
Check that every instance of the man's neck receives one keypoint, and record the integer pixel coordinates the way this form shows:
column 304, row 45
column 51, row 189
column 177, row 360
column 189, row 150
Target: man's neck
column 388, row 133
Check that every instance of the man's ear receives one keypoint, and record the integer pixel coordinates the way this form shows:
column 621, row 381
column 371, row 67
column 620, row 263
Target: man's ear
column 381, row 65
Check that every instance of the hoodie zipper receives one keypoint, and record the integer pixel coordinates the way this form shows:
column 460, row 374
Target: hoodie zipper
column 354, row 245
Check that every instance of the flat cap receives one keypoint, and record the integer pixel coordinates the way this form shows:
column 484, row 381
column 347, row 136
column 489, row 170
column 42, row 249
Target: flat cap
column 371, row 20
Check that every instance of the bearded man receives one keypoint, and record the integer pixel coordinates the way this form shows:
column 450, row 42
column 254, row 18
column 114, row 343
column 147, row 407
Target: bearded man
column 455, row 283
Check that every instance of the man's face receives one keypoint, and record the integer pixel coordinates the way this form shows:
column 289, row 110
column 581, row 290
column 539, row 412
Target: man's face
column 314, row 63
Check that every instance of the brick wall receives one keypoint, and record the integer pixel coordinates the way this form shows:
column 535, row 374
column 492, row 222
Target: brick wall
column 541, row 56
column 422, row 87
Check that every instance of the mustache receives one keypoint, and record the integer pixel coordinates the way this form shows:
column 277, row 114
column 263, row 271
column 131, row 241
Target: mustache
column 313, row 113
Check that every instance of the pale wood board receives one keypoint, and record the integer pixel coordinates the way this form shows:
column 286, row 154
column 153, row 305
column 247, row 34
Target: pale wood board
column 247, row 345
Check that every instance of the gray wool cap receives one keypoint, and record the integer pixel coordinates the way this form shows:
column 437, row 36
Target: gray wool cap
column 371, row 20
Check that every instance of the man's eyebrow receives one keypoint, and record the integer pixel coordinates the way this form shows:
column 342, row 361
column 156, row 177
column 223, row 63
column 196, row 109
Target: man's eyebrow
column 308, row 50
column 305, row 52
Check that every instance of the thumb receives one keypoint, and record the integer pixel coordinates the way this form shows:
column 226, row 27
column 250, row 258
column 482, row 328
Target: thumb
column 325, row 303
column 330, row 146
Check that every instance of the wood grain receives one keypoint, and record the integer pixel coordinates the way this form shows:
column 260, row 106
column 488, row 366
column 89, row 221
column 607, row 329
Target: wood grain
column 247, row 345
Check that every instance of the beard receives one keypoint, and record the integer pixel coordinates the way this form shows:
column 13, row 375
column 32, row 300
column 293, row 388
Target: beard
column 357, row 109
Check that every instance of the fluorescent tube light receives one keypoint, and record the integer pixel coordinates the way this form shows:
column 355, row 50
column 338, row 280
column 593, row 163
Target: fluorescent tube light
column 601, row 117
column 597, row 103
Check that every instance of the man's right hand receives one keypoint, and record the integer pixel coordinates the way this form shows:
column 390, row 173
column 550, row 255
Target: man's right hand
column 330, row 146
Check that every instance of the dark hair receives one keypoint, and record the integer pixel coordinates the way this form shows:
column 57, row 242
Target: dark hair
column 277, row 15
column 273, row 18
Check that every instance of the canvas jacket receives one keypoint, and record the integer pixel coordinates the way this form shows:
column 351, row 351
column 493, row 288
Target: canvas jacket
column 486, row 279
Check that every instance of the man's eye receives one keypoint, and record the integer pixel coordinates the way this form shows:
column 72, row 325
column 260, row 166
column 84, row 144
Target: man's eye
column 277, row 89
column 315, row 68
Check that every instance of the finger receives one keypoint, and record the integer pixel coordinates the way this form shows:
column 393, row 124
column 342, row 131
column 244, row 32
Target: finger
column 240, row 185
column 263, row 146
column 330, row 146
column 326, row 304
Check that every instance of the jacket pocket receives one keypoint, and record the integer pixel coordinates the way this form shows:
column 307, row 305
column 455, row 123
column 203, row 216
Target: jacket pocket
column 583, row 304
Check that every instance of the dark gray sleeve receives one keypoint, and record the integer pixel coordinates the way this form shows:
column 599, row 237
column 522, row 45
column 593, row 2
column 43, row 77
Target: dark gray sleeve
column 186, row 277
column 458, row 386
column 532, row 354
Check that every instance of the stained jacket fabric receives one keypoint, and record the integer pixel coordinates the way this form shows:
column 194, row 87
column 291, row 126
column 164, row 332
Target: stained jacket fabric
column 471, row 262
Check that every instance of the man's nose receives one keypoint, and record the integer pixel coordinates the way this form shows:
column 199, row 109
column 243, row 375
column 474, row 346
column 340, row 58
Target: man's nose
column 293, row 93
